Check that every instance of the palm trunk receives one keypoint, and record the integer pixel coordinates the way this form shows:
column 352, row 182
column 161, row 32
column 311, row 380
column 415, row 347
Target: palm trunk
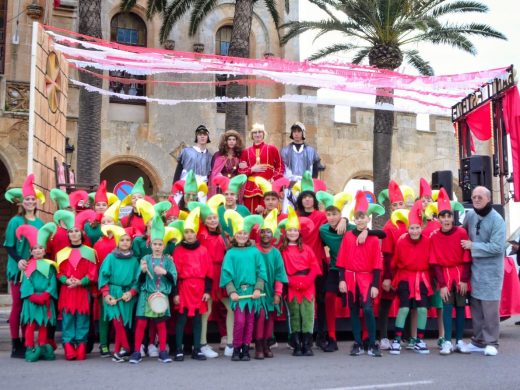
column 89, row 121
column 382, row 149
column 239, row 47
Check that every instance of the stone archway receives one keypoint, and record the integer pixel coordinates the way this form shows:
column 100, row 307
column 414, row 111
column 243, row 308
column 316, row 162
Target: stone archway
column 7, row 210
column 131, row 168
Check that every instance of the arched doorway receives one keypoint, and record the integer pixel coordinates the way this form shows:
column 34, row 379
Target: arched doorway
column 119, row 171
column 7, row 210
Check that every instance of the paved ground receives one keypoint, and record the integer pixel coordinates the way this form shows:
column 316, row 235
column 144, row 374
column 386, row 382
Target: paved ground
column 323, row 371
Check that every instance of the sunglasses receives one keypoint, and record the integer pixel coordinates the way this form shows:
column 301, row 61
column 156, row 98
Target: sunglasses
column 477, row 227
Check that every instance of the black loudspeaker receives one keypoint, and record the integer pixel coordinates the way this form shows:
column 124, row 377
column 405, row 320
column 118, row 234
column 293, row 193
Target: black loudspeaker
column 443, row 179
column 475, row 171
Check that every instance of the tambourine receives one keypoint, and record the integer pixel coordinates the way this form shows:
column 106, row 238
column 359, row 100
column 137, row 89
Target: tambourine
column 158, row 302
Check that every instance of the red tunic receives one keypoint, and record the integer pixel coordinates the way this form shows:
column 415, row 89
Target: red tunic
column 193, row 266
column 76, row 299
column 302, row 268
column 103, row 247
column 447, row 253
column 411, row 264
column 313, row 238
column 359, row 262
column 59, row 241
column 136, row 221
column 216, row 247
column 268, row 155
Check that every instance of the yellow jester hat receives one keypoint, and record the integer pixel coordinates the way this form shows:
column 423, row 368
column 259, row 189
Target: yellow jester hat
column 239, row 223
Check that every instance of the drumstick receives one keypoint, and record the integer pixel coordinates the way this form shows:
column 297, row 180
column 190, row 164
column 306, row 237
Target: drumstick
column 249, row 296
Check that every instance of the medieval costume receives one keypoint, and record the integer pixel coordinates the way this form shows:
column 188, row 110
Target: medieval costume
column 299, row 157
column 194, row 158
column 233, row 185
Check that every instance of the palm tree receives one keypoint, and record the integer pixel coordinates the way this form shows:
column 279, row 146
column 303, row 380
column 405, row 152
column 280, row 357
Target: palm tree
column 172, row 11
column 380, row 30
column 89, row 121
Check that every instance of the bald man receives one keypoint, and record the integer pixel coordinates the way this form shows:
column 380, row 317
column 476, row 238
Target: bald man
column 487, row 236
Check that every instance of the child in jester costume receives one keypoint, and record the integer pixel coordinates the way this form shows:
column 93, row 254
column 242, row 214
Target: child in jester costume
column 243, row 275
column 359, row 268
column 118, row 285
column 77, row 270
column 18, row 252
column 302, row 268
column 273, row 195
column 396, row 197
column 134, row 219
column 100, row 201
column 189, row 190
column 269, row 306
column 210, row 237
column 194, row 273
column 230, row 188
column 38, row 289
column 452, row 269
column 410, row 265
column 157, row 274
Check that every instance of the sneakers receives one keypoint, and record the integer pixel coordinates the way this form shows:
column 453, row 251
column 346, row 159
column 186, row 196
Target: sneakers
column 164, row 357
column 440, row 341
column 374, row 351
column 228, row 351
column 384, row 344
column 458, row 346
column 104, row 352
column 208, row 351
column 411, row 343
column 470, row 348
column 223, row 343
column 197, row 354
column 332, row 346
column 356, row 350
column 121, row 356
column 142, row 350
column 153, row 351
column 421, row 347
column 179, row 355
column 490, row 351
column 395, row 348
column 135, row 358
column 447, row 348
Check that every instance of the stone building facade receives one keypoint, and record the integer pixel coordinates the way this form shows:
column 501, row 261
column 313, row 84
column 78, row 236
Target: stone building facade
column 144, row 140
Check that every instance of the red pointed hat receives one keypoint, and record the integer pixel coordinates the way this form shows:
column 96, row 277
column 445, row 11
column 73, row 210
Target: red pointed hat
column 174, row 210
column 76, row 197
column 222, row 182
column 319, row 185
column 101, row 193
column 424, row 188
column 415, row 214
column 178, row 186
column 280, row 184
column 361, row 203
column 28, row 186
column 84, row 217
column 394, row 192
column 443, row 201
column 29, row 232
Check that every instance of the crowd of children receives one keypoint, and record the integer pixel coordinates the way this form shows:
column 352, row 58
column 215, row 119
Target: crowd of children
column 150, row 281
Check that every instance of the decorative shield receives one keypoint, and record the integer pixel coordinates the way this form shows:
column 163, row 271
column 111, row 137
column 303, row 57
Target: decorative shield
column 53, row 82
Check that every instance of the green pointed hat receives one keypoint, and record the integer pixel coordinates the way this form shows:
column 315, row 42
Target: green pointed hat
column 66, row 216
column 157, row 230
column 237, row 182
column 239, row 223
column 45, row 232
column 209, row 208
column 307, row 183
column 162, row 207
column 190, row 183
column 61, row 198
column 138, row 187
column 338, row 201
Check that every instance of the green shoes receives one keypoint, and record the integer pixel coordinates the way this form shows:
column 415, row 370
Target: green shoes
column 47, row 352
column 32, row 354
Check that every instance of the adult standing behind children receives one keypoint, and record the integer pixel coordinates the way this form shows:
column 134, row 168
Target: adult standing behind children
column 487, row 236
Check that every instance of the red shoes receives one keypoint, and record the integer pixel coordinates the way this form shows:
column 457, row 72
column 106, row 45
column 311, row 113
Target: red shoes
column 81, row 351
column 70, row 351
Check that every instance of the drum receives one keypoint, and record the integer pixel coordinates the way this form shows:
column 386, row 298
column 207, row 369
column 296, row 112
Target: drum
column 158, row 302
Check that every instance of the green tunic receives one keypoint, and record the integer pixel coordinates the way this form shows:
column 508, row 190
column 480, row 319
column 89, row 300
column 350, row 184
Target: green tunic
column 120, row 274
column 243, row 266
column 21, row 246
column 42, row 279
column 227, row 228
column 331, row 239
column 149, row 286
column 275, row 269
column 93, row 233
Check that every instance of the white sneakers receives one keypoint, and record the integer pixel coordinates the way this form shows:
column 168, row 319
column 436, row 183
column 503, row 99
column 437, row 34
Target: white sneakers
column 208, row 351
column 228, row 351
column 490, row 351
column 395, row 348
column 471, row 348
column 153, row 351
column 446, row 348
column 384, row 344
column 459, row 346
